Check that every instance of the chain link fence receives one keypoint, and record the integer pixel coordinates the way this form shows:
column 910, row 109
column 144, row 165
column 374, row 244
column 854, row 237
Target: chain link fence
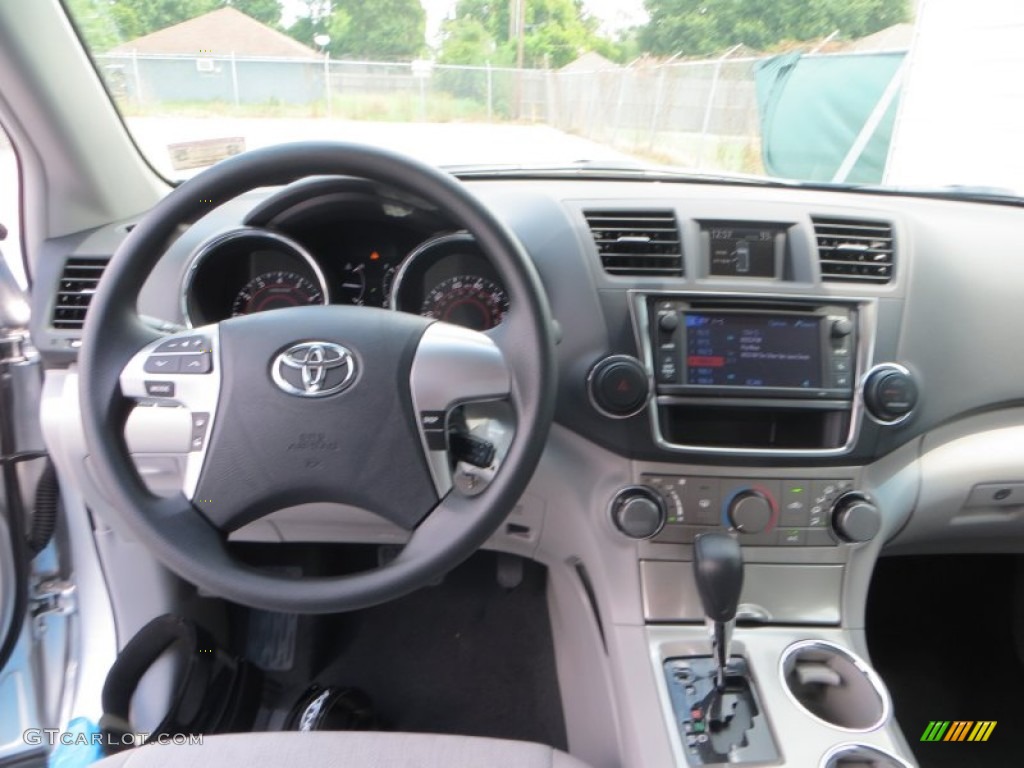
column 695, row 114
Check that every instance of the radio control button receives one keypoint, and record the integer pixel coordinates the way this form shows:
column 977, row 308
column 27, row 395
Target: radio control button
column 840, row 380
column 841, row 328
column 841, row 366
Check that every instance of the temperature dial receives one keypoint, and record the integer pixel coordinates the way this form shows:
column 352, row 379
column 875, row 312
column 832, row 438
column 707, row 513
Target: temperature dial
column 855, row 518
column 750, row 511
column 638, row 512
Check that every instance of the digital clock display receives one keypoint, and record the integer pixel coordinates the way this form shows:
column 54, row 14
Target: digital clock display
column 742, row 251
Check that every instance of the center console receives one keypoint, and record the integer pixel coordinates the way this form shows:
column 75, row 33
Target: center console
column 756, row 401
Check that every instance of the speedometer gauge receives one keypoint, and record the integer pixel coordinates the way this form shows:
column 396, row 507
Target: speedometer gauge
column 467, row 300
column 276, row 290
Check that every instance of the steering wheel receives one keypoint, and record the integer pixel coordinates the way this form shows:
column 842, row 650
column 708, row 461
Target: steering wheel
column 314, row 404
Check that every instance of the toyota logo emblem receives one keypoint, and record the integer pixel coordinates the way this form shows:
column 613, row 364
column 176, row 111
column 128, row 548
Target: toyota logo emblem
column 314, row 369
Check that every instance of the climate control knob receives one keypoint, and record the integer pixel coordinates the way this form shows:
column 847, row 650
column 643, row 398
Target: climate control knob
column 855, row 518
column 638, row 512
column 750, row 511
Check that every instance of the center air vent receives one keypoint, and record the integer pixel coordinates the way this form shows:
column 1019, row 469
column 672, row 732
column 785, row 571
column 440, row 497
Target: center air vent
column 854, row 250
column 78, row 283
column 644, row 243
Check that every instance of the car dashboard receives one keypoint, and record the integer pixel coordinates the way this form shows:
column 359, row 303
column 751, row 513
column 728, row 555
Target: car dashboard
column 821, row 373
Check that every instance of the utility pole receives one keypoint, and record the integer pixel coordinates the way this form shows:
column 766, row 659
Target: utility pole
column 517, row 30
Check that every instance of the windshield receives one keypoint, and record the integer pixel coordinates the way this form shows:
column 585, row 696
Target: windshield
column 861, row 92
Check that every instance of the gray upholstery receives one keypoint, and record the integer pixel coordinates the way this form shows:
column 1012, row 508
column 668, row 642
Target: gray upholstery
column 344, row 750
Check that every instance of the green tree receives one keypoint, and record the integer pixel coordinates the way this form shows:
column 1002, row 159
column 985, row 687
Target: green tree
column 700, row 27
column 556, row 32
column 95, row 23
column 364, row 29
column 266, row 11
column 383, row 29
column 466, row 40
column 135, row 18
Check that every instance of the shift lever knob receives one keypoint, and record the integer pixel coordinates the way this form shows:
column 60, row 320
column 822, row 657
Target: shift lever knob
column 718, row 570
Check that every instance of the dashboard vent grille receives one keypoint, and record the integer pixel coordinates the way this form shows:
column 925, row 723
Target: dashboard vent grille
column 854, row 250
column 78, row 283
column 644, row 243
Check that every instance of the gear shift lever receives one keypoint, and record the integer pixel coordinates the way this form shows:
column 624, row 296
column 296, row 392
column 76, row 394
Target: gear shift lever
column 718, row 570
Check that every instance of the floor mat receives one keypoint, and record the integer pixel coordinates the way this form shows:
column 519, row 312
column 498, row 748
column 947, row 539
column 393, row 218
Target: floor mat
column 467, row 656
column 940, row 632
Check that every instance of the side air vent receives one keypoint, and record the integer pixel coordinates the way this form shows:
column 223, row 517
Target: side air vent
column 78, row 283
column 854, row 250
column 644, row 243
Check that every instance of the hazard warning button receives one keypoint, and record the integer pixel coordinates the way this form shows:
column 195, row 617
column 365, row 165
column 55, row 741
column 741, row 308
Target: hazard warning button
column 619, row 386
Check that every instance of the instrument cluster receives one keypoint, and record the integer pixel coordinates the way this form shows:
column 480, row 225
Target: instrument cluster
column 258, row 268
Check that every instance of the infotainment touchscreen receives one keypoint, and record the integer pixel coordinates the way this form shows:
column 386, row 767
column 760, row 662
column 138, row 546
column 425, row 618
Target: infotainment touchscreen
column 726, row 349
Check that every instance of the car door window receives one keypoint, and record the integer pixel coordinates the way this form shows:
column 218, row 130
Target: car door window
column 9, row 195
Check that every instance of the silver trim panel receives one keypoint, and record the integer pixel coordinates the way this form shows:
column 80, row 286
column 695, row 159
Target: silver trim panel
column 196, row 392
column 593, row 400
column 417, row 253
column 853, row 748
column 862, row 666
column 209, row 246
column 866, row 316
column 453, row 366
column 896, row 368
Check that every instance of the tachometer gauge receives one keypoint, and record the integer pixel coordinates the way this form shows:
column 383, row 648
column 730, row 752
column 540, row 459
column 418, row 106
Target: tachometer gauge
column 467, row 300
column 276, row 290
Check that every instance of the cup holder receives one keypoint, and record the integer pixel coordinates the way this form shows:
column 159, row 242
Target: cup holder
column 834, row 686
column 861, row 756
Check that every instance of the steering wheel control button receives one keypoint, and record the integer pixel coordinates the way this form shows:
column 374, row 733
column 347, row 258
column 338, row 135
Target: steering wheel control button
column 160, row 388
column 162, row 364
column 202, row 363
column 200, row 423
column 184, row 344
column 434, row 428
column 618, row 386
column 314, row 369
column 638, row 512
column 890, row 393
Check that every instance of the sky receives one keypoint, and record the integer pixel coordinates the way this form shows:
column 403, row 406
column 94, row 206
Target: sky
column 614, row 14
